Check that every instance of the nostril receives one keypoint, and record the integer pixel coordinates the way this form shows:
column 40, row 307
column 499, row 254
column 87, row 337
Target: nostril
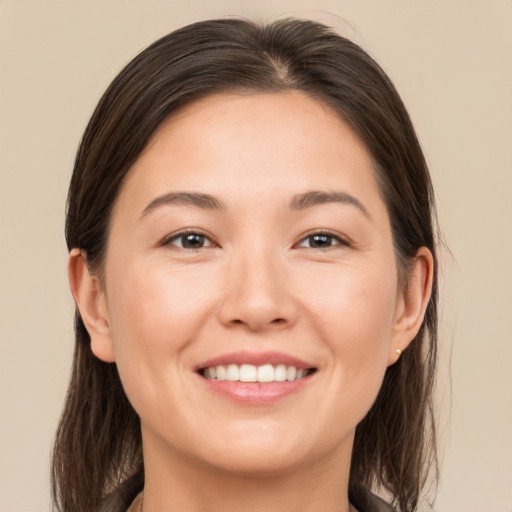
column 276, row 321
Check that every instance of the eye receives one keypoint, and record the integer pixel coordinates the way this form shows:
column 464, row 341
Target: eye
column 189, row 240
column 322, row 241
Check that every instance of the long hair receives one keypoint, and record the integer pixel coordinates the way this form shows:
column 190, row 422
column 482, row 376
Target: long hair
column 97, row 452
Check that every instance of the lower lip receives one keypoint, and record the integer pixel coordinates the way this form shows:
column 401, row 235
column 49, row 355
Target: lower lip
column 256, row 393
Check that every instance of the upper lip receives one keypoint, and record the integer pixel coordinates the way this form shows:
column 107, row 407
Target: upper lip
column 256, row 359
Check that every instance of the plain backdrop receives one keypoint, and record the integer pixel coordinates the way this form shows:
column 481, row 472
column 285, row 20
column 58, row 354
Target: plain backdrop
column 452, row 63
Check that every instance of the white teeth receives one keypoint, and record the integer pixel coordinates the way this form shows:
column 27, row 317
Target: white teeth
column 221, row 372
column 232, row 373
column 266, row 373
column 248, row 373
column 280, row 373
column 251, row 373
column 291, row 373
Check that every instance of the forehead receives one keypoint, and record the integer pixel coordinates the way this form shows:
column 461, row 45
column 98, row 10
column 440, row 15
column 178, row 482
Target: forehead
column 264, row 118
column 252, row 145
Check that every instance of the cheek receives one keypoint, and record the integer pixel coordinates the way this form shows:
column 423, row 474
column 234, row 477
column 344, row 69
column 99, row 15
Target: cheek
column 155, row 306
column 154, row 315
column 354, row 315
column 354, row 308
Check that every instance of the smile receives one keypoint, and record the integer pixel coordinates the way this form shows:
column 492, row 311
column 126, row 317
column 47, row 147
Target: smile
column 251, row 373
column 256, row 378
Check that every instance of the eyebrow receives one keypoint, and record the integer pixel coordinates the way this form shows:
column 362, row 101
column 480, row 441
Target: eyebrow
column 204, row 201
column 317, row 197
column 299, row 202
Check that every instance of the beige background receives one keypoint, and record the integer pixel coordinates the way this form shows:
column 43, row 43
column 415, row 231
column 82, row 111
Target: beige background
column 452, row 62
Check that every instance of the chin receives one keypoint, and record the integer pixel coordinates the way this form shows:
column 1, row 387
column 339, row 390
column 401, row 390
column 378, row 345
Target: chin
column 257, row 463
column 270, row 453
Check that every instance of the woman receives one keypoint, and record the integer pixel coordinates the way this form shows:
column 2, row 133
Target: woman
column 252, row 256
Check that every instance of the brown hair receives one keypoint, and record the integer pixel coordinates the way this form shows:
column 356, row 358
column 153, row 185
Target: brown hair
column 97, row 451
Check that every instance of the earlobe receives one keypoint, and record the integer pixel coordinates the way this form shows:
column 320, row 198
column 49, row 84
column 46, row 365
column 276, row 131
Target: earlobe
column 412, row 304
column 90, row 301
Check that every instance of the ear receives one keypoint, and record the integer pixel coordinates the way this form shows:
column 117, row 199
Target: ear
column 91, row 303
column 412, row 303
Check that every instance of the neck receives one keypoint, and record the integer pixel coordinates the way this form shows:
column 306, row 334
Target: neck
column 174, row 482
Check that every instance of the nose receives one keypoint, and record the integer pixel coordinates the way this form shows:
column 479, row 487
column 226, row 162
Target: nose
column 258, row 294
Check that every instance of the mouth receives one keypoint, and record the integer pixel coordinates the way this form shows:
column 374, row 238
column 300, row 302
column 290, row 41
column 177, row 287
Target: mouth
column 256, row 378
column 266, row 373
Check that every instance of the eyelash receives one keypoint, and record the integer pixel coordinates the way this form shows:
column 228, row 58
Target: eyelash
column 339, row 241
column 327, row 236
column 192, row 232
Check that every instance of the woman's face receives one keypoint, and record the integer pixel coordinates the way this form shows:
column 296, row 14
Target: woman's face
column 250, row 242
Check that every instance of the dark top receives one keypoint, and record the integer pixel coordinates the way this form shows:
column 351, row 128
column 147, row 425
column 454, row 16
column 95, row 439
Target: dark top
column 123, row 499
column 365, row 501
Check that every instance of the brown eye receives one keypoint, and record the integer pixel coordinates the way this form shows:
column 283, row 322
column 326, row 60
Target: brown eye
column 321, row 241
column 190, row 241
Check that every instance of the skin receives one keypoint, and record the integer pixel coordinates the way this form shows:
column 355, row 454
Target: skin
column 258, row 284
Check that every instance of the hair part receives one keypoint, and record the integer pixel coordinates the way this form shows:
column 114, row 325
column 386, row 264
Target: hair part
column 98, row 444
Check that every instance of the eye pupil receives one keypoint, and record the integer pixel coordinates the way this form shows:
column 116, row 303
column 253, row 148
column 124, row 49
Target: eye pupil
column 320, row 240
column 193, row 241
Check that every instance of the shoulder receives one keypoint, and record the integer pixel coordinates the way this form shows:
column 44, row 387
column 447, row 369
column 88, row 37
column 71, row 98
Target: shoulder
column 365, row 501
